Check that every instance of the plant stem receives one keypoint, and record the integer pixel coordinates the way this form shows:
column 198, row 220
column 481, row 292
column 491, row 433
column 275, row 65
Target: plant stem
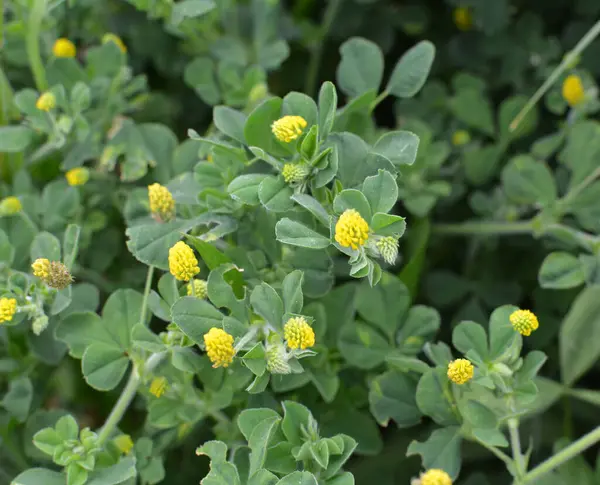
column 32, row 42
column 126, row 397
column 147, row 288
column 317, row 52
column 384, row 94
column 575, row 191
column 503, row 456
column 496, row 228
column 562, row 456
column 515, row 444
column 566, row 62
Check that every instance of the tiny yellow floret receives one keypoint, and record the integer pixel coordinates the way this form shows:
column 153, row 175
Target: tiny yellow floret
column 288, row 128
column 158, row 386
column 77, row 176
column 572, row 90
column 219, row 347
column 182, row 262
column 463, row 18
column 41, row 268
column 435, row 476
column 46, row 102
column 162, row 204
column 10, row 206
column 200, row 289
column 110, row 37
column 124, row 443
column 524, row 321
column 351, row 230
column 460, row 138
column 298, row 333
column 64, row 48
column 8, row 308
column 460, row 371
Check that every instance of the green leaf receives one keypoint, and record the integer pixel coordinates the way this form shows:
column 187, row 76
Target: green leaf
column 295, row 419
column 37, row 476
column 470, row 336
column 502, row 333
column 441, row 450
column 17, row 400
column 491, row 437
column 362, row 346
column 314, row 207
column 579, row 334
column 80, row 329
column 352, row 199
column 392, row 396
column 275, row 195
column 432, row 392
column 529, row 181
column 298, row 478
column 293, row 299
column 103, row 366
column 479, row 415
column 399, row 147
column 146, row 339
column 71, row 244
column 481, row 163
column 47, row 440
column 15, row 139
column 249, row 419
column 421, row 324
column 257, row 130
column 259, row 441
column 45, row 245
column 76, row 474
column 361, row 66
column 299, row 104
column 122, row 311
column 411, row 71
column 200, row 76
column 226, row 290
column 294, row 233
column 266, row 302
column 196, row 317
column 327, row 109
column 509, row 109
column 381, row 191
column 186, row 360
column 245, row 188
column 561, row 270
column 472, row 108
column 231, row 122
column 67, row 428
column 388, row 225
column 255, row 359
column 190, row 9
column 115, row 474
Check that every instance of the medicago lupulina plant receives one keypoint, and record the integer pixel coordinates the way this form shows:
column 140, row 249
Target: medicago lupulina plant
column 243, row 307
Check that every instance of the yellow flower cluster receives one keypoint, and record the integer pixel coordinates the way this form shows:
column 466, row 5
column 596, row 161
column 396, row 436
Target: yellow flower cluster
column 64, row 48
column 41, row 268
column 219, row 347
column 77, row 176
column 288, row 128
column 110, row 37
column 572, row 90
column 435, row 476
column 293, row 173
column 162, row 204
column 124, row 443
column 351, row 230
column 463, row 18
column 460, row 371
column 524, row 322
column 182, row 262
column 8, row 308
column 200, row 288
column 10, row 206
column 158, row 386
column 298, row 333
column 46, row 102
column 54, row 273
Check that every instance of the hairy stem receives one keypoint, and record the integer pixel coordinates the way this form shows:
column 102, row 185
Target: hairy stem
column 147, row 288
column 32, row 42
column 515, row 444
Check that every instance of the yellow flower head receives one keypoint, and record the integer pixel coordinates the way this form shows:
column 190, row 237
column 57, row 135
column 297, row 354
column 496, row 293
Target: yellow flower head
column 219, row 347
column 116, row 39
column 524, row 321
column 41, row 268
column 351, row 230
column 435, row 477
column 200, row 288
column 10, row 206
column 158, row 386
column 46, row 101
column 572, row 90
column 182, row 262
column 64, row 48
column 288, row 128
column 298, row 333
column 162, row 204
column 8, row 308
column 124, row 443
column 77, row 176
column 463, row 18
column 460, row 138
column 460, row 371
column 294, row 173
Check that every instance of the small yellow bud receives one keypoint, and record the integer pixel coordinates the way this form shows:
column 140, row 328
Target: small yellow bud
column 41, row 268
column 572, row 90
column 524, row 321
column 124, row 443
column 64, row 48
column 219, row 347
column 460, row 371
column 158, row 386
column 182, row 262
column 200, row 289
column 435, row 477
column 115, row 39
column 463, row 18
column 294, row 173
column 460, row 138
column 288, row 128
column 298, row 333
column 388, row 248
column 77, row 176
column 10, row 206
column 46, row 101
column 162, row 204
column 277, row 360
column 351, row 230
column 8, row 308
